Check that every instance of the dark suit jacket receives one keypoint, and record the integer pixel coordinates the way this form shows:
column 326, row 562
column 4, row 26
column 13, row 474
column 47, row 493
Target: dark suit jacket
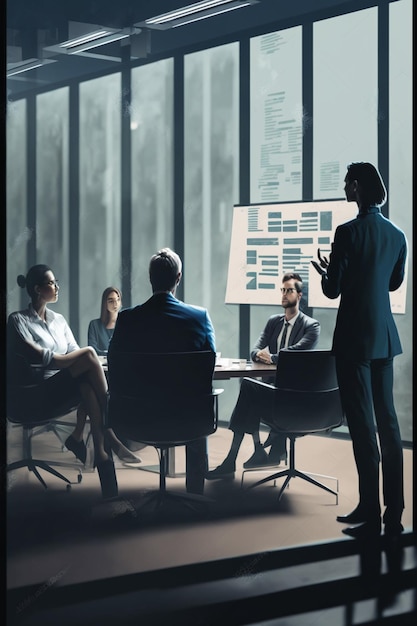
column 304, row 335
column 366, row 263
column 163, row 324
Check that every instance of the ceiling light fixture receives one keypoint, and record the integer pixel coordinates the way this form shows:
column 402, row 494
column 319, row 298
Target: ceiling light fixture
column 211, row 14
column 26, row 66
column 194, row 12
column 96, row 39
column 76, row 41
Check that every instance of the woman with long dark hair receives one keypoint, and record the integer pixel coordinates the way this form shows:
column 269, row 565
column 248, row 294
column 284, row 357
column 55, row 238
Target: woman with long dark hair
column 100, row 330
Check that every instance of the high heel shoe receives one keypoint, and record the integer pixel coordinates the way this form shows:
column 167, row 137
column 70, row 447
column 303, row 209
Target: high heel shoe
column 224, row 471
column 108, row 480
column 126, row 456
column 77, row 447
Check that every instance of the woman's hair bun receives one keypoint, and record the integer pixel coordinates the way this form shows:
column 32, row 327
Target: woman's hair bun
column 21, row 280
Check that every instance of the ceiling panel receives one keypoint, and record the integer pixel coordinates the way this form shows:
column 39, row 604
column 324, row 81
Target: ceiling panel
column 36, row 28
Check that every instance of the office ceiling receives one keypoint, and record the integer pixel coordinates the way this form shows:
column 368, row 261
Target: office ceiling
column 36, row 28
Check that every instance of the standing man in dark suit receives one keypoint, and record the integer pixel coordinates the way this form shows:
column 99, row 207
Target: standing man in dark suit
column 291, row 330
column 367, row 261
column 165, row 324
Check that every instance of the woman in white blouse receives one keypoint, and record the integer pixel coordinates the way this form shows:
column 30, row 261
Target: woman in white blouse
column 49, row 374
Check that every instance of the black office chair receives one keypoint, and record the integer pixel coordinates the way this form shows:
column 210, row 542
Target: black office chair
column 37, row 427
column 307, row 401
column 163, row 400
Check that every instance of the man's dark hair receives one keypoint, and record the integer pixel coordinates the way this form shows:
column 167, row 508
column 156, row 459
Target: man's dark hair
column 296, row 277
column 371, row 186
column 164, row 268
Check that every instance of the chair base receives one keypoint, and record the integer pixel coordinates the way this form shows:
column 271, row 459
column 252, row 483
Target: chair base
column 294, row 473
column 157, row 499
column 260, row 468
column 33, row 465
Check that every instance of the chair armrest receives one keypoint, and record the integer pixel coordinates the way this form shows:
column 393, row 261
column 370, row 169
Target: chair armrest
column 260, row 382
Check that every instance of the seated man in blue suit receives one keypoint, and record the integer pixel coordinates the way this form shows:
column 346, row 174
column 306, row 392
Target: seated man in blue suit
column 292, row 330
column 165, row 324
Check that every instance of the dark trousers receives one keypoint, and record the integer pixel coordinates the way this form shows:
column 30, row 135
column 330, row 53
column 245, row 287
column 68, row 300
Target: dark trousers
column 366, row 389
column 255, row 404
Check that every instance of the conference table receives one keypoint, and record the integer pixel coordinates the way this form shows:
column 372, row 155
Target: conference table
column 239, row 368
column 225, row 369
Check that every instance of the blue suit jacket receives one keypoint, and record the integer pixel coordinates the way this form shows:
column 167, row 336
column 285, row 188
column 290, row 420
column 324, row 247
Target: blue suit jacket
column 304, row 335
column 163, row 324
column 366, row 263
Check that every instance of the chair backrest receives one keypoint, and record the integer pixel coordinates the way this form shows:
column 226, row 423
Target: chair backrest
column 307, row 399
column 161, row 397
column 306, row 370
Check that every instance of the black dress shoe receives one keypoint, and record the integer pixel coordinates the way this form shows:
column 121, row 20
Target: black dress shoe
column 393, row 530
column 258, row 459
column 355, row 517
column 77, row 447
column 277, row 454
column 224, row 471
column 270, row 439
column 367, row 530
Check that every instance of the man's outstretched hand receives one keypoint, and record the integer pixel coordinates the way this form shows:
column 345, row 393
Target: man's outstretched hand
column 322, row 265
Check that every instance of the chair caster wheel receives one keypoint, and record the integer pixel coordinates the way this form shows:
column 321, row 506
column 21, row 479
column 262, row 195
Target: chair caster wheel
column 68, row 487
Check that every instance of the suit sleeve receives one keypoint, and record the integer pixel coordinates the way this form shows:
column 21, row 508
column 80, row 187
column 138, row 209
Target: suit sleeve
column 262, row 341
column 398, row 272
column 211, row 338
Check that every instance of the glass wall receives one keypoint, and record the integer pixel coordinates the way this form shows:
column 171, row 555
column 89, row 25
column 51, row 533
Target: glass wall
column 18, row 232
column 400, row 190
column 276, row 118
column 151, row 122
column 345, row 122
column 211, row 166
column 100, row 194
column 52, row 221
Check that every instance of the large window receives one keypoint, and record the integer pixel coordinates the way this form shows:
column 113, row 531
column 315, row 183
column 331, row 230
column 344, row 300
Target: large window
column 99, row 175
column 345, row 121
column 52, row 222
column 211, row 162
column 276, row 118
column 400, row 190
column 151, row 119
column 18, row 232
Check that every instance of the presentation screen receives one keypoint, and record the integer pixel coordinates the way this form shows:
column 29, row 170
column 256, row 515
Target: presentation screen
column 269, row 240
